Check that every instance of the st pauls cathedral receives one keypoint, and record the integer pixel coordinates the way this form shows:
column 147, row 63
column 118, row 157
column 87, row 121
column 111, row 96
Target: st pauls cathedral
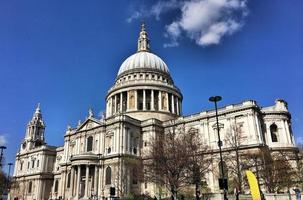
column 143, row 102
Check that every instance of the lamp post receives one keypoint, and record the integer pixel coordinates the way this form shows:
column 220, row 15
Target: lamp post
column 9, row 174
column 216, row 99
column 1, row 155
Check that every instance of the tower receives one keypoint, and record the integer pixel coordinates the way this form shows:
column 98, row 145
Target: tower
column 35, row 131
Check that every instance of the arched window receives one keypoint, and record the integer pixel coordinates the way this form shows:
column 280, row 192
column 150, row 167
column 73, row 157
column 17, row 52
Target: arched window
column 56, row 186
column 273, row 132
column 108, row 176
column 30, row 185
column 33, row 163
column 68, row 180
column 89, row 144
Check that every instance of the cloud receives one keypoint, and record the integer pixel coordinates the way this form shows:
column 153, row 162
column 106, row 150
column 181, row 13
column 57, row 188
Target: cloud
column 156, row 10
column 204, row 21
column 3, row 140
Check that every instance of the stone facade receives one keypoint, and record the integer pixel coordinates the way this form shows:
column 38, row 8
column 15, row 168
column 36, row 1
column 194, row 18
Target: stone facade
column 100, row 153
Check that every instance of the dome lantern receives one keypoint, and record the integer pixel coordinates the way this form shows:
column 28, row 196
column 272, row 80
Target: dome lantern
column 143, row 41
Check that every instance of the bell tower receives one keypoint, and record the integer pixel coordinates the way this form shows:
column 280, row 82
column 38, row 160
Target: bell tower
column 35, row 131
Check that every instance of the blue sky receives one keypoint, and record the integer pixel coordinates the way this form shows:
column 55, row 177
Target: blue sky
column 66, row 54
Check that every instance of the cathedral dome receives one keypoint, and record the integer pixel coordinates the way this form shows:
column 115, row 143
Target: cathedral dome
column 143, row 60
column 143, row 88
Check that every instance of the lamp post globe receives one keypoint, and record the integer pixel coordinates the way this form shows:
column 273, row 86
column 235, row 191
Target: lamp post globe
column 215, row 98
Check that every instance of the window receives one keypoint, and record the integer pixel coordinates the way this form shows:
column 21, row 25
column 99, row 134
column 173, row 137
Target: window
column 68, row 180
column 37, row 163
column 89, row 143
column 33, row 163
column 274, row 132
column 21, row 165
column 30, row 185
column 108, row 176
column 56, row 186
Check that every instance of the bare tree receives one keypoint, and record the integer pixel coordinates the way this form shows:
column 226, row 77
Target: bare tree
column 273, row 169
column 234, row 139
column 167, row 160
column 300, row 164
column 198, row 160
column 3, row 183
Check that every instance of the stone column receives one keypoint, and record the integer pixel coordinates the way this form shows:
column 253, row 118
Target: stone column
column 100, row 182
column 128, row 101
column 160, row 100
column 287, row 132
column 136, row 99
column 115, row 106
column 167, row 104
column 96, row 180
column 121, row 96
column 111, row 106
column 177, row 102
column 71, row 187
column 78, row 181
column 172, row 103
column 86, row 180
column 152, row 100
column 144, row 100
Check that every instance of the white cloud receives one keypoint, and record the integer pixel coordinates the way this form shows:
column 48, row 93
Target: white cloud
column 135, row 15
column 164, row 6
column 204, row 21
column 156, row 10
column 216, row 31
column 3, row 140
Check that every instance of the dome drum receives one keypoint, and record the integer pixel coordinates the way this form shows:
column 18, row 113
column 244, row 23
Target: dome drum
column 144, row 99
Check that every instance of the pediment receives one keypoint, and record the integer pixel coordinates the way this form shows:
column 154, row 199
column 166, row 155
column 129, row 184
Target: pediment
column 89, row 124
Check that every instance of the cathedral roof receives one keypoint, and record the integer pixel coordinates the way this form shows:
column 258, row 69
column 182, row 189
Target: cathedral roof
column 143, row 58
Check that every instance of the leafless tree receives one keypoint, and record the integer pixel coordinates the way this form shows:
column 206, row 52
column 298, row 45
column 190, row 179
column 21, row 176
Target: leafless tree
column 3, row 183
column 273, row 169
column 198, row 160
column 177, row 159
column 235, row 139
column 167, row 160
column 300, row 164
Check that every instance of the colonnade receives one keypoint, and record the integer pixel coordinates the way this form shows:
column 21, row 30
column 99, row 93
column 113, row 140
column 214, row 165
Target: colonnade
column 144, row 100
column 78, row 181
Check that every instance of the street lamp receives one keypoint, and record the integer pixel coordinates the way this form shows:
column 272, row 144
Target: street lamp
column 216, row 99
column 9, row 174
column 1, row 155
